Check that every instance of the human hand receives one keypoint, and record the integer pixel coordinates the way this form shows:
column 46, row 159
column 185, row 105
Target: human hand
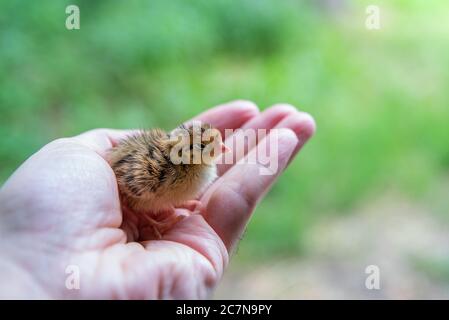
column 61, row 208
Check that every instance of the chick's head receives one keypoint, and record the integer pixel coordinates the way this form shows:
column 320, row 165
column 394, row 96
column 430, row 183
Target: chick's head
column 196, row 144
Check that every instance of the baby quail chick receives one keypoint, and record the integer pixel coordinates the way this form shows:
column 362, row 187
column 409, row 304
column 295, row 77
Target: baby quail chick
column 158, row 171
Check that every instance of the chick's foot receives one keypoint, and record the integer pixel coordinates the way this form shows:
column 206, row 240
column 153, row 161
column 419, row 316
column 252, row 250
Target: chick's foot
column 159, row 227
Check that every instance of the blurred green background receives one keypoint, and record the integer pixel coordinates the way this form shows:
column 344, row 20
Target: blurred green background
column 380, row 97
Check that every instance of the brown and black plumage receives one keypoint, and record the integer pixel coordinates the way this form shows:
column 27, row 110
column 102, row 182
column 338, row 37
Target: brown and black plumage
column 149, row 176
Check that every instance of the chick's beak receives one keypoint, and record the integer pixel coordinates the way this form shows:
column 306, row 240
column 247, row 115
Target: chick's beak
column 224, row 148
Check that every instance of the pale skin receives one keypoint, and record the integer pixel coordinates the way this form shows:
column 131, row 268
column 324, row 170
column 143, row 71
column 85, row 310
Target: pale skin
column 61, row 208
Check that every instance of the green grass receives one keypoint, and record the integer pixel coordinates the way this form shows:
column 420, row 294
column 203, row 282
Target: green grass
column 379, row 98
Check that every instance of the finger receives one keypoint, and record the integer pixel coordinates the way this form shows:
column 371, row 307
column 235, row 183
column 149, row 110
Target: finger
column 230, row 115
column 242, row 141
column 302, row 124
column 231, row 200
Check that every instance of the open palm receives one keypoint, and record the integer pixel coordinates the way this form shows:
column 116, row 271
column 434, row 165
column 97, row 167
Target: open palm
column 60, row 213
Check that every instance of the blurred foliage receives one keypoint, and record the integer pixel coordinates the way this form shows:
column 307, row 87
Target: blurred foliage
column 380, row 98
column 434, row 268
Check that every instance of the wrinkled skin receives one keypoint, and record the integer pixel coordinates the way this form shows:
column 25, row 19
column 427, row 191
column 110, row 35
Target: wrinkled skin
column 61, row 208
